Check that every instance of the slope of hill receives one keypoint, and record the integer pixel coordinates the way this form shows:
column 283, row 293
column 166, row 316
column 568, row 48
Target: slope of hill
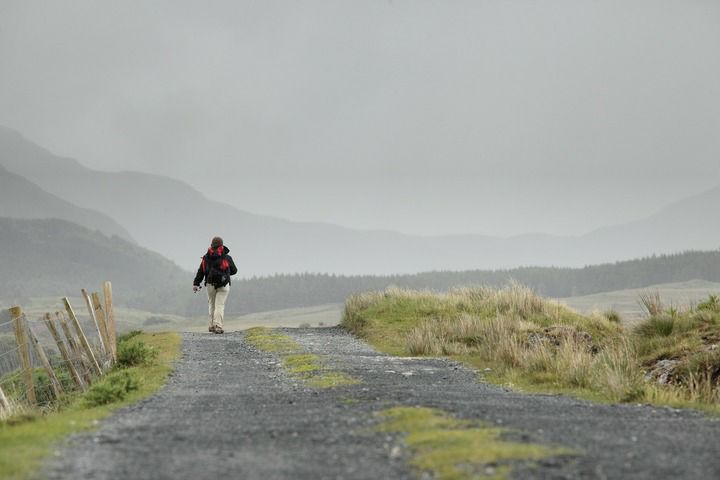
column 162, row 213
column 290, row 291
column 626, row 302
column 53, row 258
column 20, row 198
column 687, row 224
column 56, row 258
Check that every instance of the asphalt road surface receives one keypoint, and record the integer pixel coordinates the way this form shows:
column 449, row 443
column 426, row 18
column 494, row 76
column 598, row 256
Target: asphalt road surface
column 230, row 411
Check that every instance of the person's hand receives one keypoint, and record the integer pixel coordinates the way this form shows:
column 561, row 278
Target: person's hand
column 195, row 288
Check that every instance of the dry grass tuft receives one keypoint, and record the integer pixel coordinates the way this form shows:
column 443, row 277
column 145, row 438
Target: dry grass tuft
column 538, row 343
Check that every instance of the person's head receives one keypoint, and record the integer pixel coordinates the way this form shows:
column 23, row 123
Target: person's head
column 216, row 242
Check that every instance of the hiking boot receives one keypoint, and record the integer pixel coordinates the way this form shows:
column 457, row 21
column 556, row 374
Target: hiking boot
column 219, row 330
column 211, row 329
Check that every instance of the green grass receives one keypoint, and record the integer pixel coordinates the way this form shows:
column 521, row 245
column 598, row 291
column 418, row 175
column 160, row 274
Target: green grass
column 452, row 449
column 26, row 441
column 528, row 343
column 296, row 361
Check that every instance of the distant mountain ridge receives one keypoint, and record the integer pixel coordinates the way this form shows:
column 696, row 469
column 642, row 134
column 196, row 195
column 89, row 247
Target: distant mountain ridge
column 20, row 198
column 57, row 258
column 169, row 216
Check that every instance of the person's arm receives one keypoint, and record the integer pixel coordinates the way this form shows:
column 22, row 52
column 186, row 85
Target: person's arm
column 198, row 277
column 233, row 268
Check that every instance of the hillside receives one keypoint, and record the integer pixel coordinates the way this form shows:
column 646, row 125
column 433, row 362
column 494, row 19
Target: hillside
column 686, row 224
column 20, row 198
column 159, row 211
column 55, row 258
column 626, row 302
column 290, row 291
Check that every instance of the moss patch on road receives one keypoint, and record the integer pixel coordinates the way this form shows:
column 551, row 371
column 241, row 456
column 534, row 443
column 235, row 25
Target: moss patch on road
column 26, row 440
column 296, row 360
column 452, row 449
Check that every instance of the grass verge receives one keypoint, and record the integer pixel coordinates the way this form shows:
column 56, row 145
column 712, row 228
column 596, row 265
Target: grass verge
column 451, row 449
column 27, row 439
column 521, row 340
column 296, row 361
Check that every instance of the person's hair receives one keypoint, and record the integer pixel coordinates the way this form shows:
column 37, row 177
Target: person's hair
column 216, row 242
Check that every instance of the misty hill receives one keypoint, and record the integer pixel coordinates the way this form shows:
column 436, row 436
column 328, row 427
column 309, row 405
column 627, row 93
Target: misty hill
column 169, row 216
column 20, row 198
column 687, row 224
column 57, row 258
column 290, row 291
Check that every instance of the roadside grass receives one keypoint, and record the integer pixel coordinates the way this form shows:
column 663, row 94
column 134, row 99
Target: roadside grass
column 516, row 338
column 452, row 449
column 689, row 340
column 296, row 361
column 28, row 437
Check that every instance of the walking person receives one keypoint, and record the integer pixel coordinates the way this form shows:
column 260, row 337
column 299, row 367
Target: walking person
column 216, row 268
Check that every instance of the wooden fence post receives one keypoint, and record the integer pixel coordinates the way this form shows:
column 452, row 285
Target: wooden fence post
column 81, row 336
column 22, row 341
column 74, row 347
column 100, row 315
column 40, row 352
column 64, row 352
column 110, row 317
column 4, row 401
column 91, row 311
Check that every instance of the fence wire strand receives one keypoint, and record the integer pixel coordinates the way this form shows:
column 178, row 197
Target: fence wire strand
column 77, row 360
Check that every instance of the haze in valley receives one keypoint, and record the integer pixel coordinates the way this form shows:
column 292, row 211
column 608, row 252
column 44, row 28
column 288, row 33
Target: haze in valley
column 422, row 117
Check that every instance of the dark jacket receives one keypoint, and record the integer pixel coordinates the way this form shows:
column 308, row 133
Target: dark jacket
column 211, row 256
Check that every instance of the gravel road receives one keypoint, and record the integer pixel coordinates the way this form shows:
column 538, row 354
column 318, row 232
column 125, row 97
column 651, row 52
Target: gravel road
column 230, row 411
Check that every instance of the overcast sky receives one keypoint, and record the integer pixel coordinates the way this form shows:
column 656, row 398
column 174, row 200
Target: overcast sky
column 446, row 116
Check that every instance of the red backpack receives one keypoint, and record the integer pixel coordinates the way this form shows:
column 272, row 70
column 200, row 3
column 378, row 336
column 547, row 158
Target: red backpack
column 216, row 268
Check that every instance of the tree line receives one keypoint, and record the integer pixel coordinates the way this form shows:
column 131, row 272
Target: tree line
column 308, row 289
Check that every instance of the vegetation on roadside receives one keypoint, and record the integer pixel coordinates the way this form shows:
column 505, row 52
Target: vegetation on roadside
column 519, row 339
column 27, row 437
column 452, row 449
column 296, row 361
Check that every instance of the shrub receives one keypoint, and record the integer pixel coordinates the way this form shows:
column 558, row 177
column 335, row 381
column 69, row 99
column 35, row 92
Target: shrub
column 651, row 303
column 43, row 388
column 712, row 304
column 114, row 387
column 661, row 326
column 617, row 373
column 706, row 317
column 703, row 364
column 131, row 354
column 612, row 316
column 128, row 335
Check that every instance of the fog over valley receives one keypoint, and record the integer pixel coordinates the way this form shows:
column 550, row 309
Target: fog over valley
column 429, row 118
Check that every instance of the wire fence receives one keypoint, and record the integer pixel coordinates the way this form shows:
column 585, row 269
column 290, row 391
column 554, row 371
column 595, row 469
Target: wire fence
column 44, row 358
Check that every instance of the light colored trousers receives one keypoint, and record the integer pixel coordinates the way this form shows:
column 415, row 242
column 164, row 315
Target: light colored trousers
column 216, row 304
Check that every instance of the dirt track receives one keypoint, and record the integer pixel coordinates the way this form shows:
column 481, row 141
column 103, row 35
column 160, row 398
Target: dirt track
column 230, row 411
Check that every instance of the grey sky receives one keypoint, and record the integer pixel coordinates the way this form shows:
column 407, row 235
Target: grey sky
column 444, row 116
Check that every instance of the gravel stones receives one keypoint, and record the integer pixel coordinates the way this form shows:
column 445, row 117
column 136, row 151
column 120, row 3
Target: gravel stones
column 230, row 411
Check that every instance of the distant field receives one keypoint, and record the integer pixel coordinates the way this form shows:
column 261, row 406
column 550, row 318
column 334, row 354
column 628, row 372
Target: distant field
column 623, row 301
column 322, row 315
column 294, row 317
column 131, row 319
column 626, row 301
